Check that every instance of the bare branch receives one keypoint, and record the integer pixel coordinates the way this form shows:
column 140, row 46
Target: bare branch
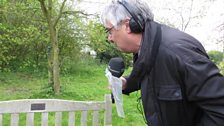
column 60, row 13
column 221, row 26
column 44, row 9
column 189, row 19
column 50, row 6
column 78, row 12
column 182, row 21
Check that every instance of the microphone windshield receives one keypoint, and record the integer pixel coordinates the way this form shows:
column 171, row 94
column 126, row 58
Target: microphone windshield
column 116, row 66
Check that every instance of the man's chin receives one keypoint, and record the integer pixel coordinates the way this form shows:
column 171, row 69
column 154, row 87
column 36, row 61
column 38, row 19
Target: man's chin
column 124, row 50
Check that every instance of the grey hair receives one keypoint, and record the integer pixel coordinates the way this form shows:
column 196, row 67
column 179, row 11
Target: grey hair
column 115, row 13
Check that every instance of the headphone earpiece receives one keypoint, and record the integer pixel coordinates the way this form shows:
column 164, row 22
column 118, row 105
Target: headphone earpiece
column 136, row 22
column 134, row 26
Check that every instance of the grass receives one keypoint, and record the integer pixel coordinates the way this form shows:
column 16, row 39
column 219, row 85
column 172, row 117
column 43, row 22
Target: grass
column 87, row 84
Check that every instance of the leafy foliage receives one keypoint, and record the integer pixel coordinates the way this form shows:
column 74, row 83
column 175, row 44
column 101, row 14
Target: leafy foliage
column 105, row 50
column 216, row 56
column 221, row 67
column 23, row 36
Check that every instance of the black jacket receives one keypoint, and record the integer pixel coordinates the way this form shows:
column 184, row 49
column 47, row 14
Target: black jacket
column 184, row 87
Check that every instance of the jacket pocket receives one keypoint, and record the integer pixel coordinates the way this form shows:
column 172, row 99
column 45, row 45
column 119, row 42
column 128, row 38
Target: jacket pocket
column 169, row 92
column 171, row 107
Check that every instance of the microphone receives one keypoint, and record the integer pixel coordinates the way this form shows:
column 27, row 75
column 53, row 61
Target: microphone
column 116, row 67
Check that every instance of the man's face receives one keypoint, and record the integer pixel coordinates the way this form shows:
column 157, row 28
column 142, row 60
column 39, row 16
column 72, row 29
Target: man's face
column 120, row 37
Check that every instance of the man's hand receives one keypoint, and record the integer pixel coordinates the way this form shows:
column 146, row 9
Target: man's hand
column 124, row 82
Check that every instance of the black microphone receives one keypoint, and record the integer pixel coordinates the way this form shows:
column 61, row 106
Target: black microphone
column 116, row 67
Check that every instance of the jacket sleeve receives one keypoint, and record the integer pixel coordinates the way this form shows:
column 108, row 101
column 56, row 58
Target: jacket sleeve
column 205, row 87
column 132, row 85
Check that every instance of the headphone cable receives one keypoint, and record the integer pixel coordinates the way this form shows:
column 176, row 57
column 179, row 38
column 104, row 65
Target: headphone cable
column 140, row 107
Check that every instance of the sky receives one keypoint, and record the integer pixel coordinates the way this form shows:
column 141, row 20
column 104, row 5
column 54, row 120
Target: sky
column 204, row 29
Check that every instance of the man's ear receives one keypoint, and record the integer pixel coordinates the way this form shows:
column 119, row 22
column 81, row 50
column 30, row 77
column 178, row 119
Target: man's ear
column 127, row 26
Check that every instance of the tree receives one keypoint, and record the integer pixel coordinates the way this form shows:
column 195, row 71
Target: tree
column 184, row 13
column 22, row 37
column 180, row 13
column 221, row 39
column 53, row 59
column 219, row 27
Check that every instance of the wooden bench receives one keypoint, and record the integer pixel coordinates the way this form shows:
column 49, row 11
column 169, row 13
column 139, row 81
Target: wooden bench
column 44, row 106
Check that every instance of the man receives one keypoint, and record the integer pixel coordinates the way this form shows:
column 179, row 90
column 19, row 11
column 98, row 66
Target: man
column 179, row 85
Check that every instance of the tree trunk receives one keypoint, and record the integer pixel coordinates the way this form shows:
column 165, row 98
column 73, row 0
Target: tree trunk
column 53, row 56
column 56, row 69
column 50, row 64
column 55, row 59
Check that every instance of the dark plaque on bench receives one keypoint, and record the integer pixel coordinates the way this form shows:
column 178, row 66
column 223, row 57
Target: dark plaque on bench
column 37, row 106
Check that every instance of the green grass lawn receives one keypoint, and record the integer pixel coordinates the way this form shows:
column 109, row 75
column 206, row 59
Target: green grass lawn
column 89, row 84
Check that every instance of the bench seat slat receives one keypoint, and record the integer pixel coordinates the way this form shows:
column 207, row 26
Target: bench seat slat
column 0, row 119
column 58, row 118
column 14, row 119
column 30, row 119
column 84, row 118
column 71, row 119
column 108, row 112
column 95, row 118
column 44, row 119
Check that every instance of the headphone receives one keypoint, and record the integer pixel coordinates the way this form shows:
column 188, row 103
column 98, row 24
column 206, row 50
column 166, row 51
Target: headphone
column 136, row 22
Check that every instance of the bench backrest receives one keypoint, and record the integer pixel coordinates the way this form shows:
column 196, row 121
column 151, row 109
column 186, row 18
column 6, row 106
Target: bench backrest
column 44, row 106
